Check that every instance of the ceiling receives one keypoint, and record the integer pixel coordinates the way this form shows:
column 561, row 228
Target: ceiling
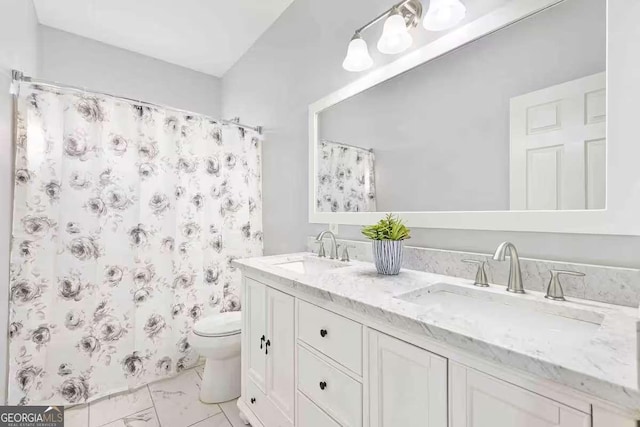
column 204, row 35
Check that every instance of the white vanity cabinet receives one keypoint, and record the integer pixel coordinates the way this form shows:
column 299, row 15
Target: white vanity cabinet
column 480, row 400
column 268, row 346
column 319, row 365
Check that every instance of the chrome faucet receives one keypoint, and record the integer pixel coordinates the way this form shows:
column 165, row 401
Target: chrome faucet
column 333, row 254
column 515, row 275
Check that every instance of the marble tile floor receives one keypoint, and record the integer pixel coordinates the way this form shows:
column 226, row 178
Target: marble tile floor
column 169, row 403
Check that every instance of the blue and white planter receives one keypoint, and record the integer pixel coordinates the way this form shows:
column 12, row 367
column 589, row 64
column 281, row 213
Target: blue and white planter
column 387, row 255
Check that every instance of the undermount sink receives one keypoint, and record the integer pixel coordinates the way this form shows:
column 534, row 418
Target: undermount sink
column 312, row 265
column 496, row 312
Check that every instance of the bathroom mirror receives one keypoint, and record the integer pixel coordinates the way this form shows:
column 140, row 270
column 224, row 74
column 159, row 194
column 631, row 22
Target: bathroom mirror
column 500, row 123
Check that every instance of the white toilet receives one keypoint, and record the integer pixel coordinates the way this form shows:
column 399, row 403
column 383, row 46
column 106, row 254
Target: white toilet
column 217, row 338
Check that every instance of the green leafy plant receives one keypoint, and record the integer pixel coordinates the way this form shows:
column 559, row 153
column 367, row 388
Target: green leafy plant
column 390, row 227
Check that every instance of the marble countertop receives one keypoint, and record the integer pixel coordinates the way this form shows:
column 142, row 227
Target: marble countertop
column 598, row 356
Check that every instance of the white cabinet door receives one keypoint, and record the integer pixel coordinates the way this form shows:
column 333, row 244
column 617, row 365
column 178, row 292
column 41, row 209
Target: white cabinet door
column 407, row 385
column 558, row 147
column 255, row 333
column 479, row 400
column 280, row 351
column 606, row 418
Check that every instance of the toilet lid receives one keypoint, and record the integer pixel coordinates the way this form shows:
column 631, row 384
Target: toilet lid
column 219, row 325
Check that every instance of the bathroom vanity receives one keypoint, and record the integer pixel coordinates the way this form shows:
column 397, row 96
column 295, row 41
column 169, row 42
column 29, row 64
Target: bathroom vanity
column 329, row 343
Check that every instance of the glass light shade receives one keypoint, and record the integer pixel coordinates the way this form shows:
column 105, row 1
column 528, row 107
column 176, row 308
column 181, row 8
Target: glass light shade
column 395, row 36
column 444, row 14
column 358, row 58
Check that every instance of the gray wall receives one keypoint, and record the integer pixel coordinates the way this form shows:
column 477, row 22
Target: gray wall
column 440, row 132
column 79, row 61
column 18, row 50
column 298, row 61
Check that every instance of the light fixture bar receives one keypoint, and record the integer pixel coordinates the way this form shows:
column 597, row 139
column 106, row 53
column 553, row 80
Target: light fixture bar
column 413, row 7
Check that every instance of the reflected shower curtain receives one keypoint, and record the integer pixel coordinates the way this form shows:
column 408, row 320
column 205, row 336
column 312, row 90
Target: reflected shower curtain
column 126, row 220
column 346, row 178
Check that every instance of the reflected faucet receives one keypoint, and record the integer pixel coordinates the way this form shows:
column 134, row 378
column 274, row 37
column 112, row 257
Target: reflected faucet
column 333, row 254
column 515, row 275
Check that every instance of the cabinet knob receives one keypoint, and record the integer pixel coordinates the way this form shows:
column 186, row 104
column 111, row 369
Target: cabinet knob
column 253, row 400
column 261, row 341
column 323, row 333
column 323, row 385
column 267, row 344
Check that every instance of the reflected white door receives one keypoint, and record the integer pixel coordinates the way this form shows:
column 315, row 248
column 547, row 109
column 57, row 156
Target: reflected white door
column 558, row 147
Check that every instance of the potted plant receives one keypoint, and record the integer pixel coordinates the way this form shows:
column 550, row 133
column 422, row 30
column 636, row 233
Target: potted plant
column 387, row 237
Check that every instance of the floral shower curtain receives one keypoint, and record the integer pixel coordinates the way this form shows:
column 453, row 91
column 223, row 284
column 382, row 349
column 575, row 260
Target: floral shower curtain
column 126, row 219
column 346, row 178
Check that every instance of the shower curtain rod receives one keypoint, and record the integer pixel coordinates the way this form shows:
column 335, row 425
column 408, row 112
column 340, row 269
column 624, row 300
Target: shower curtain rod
column 347, row 145
column 19, row 76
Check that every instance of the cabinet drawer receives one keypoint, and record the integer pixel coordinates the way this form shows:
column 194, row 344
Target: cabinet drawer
column 263, row 407
column 257, row 401
column 331, row 334
column 309, row 415
column 333, row 391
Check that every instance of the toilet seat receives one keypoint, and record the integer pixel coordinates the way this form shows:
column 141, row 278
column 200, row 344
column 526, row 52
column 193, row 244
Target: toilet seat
column 219, row 325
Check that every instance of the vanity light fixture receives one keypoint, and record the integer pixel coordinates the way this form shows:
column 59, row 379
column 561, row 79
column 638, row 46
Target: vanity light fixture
column 444, row 14
column 358, row 58
column 395, row 35
column 398, row 20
